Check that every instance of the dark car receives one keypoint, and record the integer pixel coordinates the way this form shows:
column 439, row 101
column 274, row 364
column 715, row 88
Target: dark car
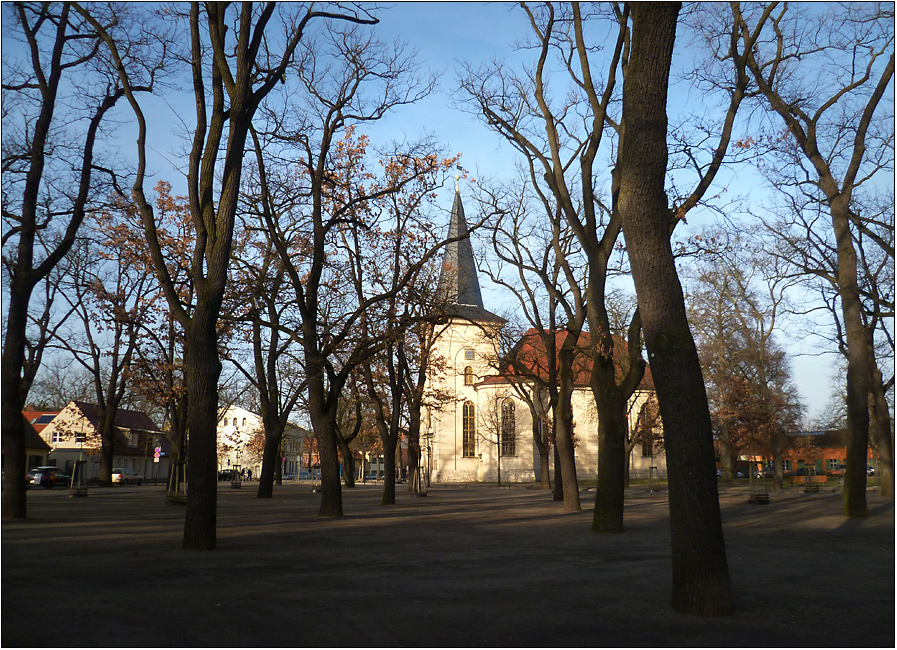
column 225, row 474
column 48, row 476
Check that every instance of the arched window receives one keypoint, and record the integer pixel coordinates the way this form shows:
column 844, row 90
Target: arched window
column 235, row 422
column 244, row 422
column 508, row 429
column 468, row 376
column 468, row 424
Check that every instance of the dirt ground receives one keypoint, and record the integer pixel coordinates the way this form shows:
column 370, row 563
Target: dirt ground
column 464, row 566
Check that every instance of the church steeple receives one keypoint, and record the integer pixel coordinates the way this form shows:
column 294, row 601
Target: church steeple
column 458, row 282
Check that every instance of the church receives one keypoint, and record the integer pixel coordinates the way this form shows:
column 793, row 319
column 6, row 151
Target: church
column 489, row 423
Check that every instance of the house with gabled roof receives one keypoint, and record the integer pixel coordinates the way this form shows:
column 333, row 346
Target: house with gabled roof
column 488, row 425
column 74, row 435
column 36, row 450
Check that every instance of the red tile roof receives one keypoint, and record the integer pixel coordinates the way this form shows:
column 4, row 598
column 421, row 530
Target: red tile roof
column 532, row 353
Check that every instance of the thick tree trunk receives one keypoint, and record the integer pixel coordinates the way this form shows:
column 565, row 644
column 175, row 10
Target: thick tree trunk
column 331, row 488
column 858, row 366
column 348, row 462
column 544, row 471
column 700, row 572
column 558, row 482
column 270, row 461
column 202, row 368
column 612, row 431
column 726, row 457
column 777, row 461
column 107, row 445
column 389, row 469
column 11, row 403
column 563, row 434
column 543, row 447
column 413, row 463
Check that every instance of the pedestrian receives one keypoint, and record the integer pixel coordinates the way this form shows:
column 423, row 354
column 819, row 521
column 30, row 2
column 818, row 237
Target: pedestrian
column 249, row 474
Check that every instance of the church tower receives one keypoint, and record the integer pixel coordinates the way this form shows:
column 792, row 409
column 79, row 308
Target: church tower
column 466, row 346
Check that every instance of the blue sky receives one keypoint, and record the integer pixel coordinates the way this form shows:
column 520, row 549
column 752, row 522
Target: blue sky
column 445, row 34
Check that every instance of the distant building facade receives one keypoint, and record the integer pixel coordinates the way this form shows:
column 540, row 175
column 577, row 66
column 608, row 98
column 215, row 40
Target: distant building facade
column 73, row 434
column 488, row 424
column 241, row 442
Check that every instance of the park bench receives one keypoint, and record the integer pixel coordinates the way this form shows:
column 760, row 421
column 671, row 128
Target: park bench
column 812, row 482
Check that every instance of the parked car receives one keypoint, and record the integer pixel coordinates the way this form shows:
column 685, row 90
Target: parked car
column 124, row 476
column 48, row 476
column 225, row 474
column 289, row 476
column 870, row 471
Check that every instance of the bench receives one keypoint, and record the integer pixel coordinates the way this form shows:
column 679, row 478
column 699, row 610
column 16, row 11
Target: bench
column 812, row 483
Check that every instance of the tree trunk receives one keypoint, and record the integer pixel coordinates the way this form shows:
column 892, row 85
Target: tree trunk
column 348, row 462
column 858, row 367
column 543, row 447
column 413, row 463
column 563, row 434
column 700, row 572
column 558, row 482
column 612, row 432
column 726, row 464
column 270, row 462
column 389, row 470
column 12, row 401
column 884, row 440
column 331, row 489
column 107, row 445
column 202, row 368
column 777, row 461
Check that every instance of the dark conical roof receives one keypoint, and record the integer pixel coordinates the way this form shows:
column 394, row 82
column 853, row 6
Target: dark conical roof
column 458, row 282
column 459, row 286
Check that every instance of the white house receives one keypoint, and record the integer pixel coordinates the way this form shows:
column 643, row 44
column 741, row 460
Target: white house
column 241, row 442
column 488, row 418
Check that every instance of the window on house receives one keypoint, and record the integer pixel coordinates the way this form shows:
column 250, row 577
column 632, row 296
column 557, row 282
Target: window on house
column 832, row 464
column 786, row 465
column 647, row 447
column 235, row 422
column 57, row 437
column 468, row 376
column 468, row 425
column 244, row 422
column 469, row 354
column 508, row 429
column 132, row 439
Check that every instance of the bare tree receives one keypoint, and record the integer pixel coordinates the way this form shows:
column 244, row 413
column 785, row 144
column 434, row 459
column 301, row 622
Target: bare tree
column 239, row 72
column 835, row 143
column 108, row 285
column 547, row 273
column 737, row 308
column 261, row 311
column 57, row 96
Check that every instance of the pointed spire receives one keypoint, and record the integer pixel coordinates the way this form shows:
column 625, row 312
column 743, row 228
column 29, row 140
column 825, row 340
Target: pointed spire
column 458, row 282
